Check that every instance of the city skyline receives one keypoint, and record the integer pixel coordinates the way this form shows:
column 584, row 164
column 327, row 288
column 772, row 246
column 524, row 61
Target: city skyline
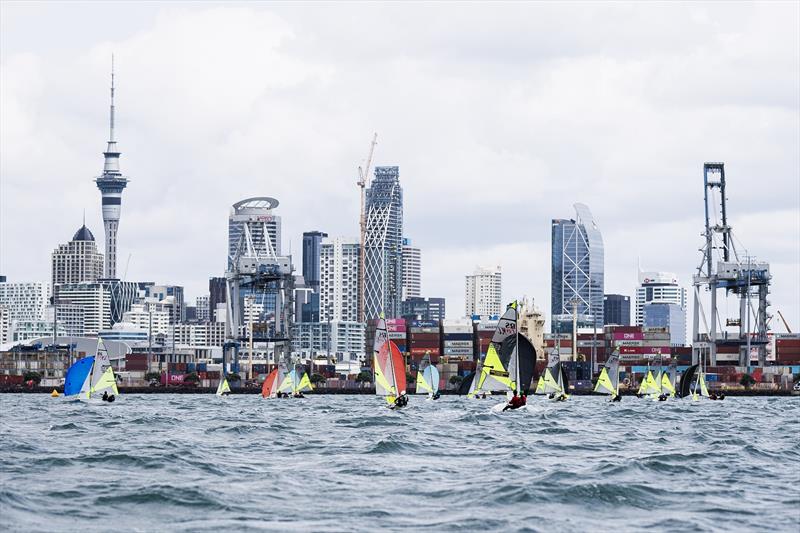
column 189, row 171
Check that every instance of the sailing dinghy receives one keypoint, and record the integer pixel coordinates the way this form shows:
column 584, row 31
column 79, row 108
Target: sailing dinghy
column 223, row 389
column 428, row 378
column 270, row 387
column 92, row 379
column 608, row 382
column 513, row 358
column 389, row 369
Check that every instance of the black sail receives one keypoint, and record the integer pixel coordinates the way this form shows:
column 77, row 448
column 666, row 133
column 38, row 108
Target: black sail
column 527, row 363
column 686, row 381
column 463, row 389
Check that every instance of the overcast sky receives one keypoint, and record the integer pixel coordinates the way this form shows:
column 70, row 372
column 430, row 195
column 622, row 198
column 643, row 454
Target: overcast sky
column 500, row 116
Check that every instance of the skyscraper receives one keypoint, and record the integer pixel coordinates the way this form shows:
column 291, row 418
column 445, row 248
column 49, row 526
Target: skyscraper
column 111, row 184
column 383, row 245
column 617, row 310
column 338, row 289
column 77, row 260
column 253, row 224
column 412, row 270
column 312, row 240
column 577, row 272
column 658, row 287
column 483, row 292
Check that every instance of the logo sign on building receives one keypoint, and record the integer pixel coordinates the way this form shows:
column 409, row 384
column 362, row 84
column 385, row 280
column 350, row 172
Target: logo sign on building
column 636, row 336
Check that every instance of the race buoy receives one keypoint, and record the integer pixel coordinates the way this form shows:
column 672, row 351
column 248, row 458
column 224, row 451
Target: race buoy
column 54, row 394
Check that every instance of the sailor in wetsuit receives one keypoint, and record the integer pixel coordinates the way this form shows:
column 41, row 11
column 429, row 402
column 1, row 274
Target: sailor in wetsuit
column 616, row 398
column 401, row 401
column 437, row 395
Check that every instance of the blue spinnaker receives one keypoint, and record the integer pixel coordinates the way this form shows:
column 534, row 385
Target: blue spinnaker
column 76, row 375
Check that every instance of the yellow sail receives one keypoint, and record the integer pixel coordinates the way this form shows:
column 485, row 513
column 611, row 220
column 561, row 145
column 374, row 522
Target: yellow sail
column 550, row 383
column 422, row 384
column 539, row 386
column 703, row 387
column 666, row 384
column 305, row 384
column 106, row 381
column 223, row 387
column 604, row 383
column 286, row 384
column 494, row 368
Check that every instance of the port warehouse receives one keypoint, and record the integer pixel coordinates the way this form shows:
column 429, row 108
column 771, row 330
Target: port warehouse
column 454, row 346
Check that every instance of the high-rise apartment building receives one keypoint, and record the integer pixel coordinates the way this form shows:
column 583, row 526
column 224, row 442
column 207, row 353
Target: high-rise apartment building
column 104, row 302
column 419, row 308
column 171, row 296
column 412, row 270
column 661, row 288
column 111, row 184
column 312, row 241
column 25, row 301
column 616, row 310
column 70, row 318
column 338, row 288
column 483, row 292
column 202, row 309
column 77, row 261
column 157, row 322
column 383, row 245
column 668, row 316
column 577, row 272
column 252, row 225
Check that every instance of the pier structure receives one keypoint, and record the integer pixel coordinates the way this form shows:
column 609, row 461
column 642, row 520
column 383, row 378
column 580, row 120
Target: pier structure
column 722, row 267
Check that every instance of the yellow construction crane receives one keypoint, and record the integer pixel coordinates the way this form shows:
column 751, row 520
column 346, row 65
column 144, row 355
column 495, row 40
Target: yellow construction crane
column 363, row 183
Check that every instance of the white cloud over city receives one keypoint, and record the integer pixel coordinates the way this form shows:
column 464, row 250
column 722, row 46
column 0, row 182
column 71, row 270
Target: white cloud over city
column 500, row 116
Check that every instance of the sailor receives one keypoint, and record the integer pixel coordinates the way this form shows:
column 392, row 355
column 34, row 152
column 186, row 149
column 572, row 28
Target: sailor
column 105, row 396
column 437, row 395
column 721, row 396
column 515, row 402
column 110, row 398
column 616, row 398
column 484, row 396
column 662, row 398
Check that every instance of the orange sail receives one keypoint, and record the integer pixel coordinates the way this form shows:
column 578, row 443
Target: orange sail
column 269, row 384
column 399, row 368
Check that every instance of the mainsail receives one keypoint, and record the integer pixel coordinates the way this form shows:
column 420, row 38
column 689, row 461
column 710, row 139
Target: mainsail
column 103, row 379
column 608, row 382
column 685, row 383
column 668, row 379
column 467, row 386
column 223, row 387
column 427, row 377
column 273, row 381
column 388, row 365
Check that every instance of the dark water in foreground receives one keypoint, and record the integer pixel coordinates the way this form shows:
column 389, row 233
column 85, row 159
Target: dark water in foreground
column 339, row 463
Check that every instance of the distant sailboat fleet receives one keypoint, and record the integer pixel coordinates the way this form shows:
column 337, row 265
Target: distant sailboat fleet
column 509, row 368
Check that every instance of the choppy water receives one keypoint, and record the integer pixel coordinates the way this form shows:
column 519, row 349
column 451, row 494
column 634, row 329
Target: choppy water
column 344, row 463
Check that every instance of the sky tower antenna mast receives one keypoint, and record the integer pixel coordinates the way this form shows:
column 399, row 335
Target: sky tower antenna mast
column 363, row 183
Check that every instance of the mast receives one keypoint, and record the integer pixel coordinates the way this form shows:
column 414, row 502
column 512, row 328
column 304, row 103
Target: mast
column 516, row 328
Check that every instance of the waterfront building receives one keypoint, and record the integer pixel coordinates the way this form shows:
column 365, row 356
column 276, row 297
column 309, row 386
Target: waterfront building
column 5, row 325
column 24, row 300
column 577, row 272
column 419, row 308
column 658, row 287
column 343, row 340
column 77, row 261
column 383, row 245
column 104, row 302
column 70, row 318
column 25, row 330
column 338, row 289
column 252, row 222
column 483, row 292
column 412, row 270
column 141, row 316
column 209, row 334
column 616, row 310
column 111, row 184
column 312, row 243
column 217, row 294
column 171, row 296
column 127, row 332
column 661, row 315
column 202, row 309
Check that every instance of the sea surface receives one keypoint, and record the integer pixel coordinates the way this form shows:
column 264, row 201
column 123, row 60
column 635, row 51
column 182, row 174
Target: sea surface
column 346, row 463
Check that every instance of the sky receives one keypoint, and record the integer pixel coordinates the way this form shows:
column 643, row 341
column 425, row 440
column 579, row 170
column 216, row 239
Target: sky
column 500, row 116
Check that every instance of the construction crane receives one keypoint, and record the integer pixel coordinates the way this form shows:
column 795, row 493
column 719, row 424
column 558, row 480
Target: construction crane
column 363, row 182
column 785, row 324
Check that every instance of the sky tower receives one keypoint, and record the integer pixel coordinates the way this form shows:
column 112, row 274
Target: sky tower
column 111, row 184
